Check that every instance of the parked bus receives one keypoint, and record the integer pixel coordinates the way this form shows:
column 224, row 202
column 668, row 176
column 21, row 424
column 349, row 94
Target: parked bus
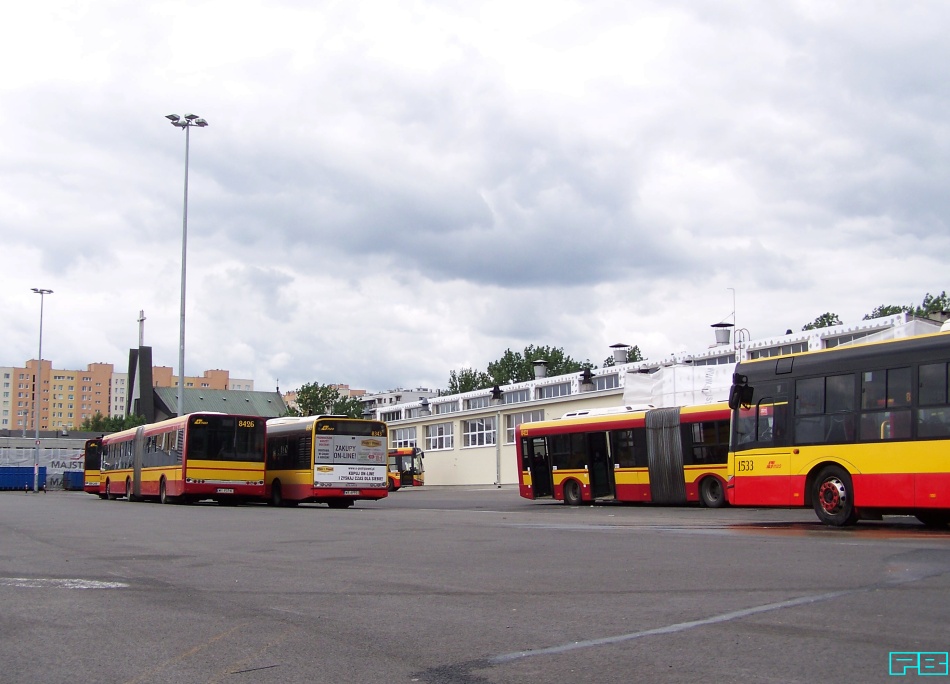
column 189, row 458
column 334, row 460
column 92, row 452
column 662, row 455
column 854, row 432
column 406, row 468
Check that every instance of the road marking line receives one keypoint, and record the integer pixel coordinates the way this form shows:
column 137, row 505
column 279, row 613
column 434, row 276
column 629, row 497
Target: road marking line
column 54, row 583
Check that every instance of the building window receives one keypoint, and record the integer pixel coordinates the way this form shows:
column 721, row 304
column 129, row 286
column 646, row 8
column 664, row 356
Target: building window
column 478, row 432
column 390, row 416
column 513, row 420
column 477, row 402
column 783, row 350
column 403, row 437
column 604, row 382
column 551, row 391
column 516, row 396
column 832, row 342
column 440, row 436
column 446, row 407
column 715, row 360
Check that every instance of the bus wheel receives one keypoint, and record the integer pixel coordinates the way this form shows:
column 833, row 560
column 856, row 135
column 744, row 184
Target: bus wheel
column 276, row 498
column 162, row 495
column 340, row 503
column 572, row 493
column 833, row 497
column 128, row 491
column 109, row 495
column 711, row 493
column 938, row 519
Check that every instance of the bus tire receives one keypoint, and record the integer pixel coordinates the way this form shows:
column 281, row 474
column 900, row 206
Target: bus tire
column 128, row 491
column 572, row 492
column 833, row 497
column 711, row 493
column 276, row 497
column 162, row 494
column 109, row 495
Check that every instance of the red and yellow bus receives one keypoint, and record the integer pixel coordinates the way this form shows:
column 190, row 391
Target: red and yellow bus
column 406, row 468
column 92, row 461
column 662, row 455
column 854, row 432
column 189, row 458
column 334, row 460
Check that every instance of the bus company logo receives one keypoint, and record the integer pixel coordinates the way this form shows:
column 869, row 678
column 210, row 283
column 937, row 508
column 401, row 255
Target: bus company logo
column 327, row 428
column 920, row 663
column 371, row 443
column 774, row 464
column 200, row 421
column 324, row 469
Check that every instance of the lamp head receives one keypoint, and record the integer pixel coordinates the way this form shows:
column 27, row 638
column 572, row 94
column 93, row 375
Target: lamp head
column 172, row 117
column 191, row 117
column 201, row 123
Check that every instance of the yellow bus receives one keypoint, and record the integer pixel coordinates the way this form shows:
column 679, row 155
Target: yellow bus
column 854, row 432
column 189, row 458
column 406, row 468
column 92, row 453
column 334, row 460
column 661, row 455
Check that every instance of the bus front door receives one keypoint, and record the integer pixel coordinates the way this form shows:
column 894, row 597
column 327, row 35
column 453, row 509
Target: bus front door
column 599, row 470
column 539, row 466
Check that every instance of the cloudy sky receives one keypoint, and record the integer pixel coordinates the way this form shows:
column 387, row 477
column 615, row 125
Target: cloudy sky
column 389, row 191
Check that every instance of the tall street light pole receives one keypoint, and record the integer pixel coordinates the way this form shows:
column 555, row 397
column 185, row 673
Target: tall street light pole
column 42, row 292
column 185, row 123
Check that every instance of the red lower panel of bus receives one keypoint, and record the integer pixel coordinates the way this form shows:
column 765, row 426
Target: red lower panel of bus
column 206, row 490
column 884, row 491
column 292, row 492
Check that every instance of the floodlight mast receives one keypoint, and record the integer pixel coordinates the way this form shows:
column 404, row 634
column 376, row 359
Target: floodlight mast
column 186, row 124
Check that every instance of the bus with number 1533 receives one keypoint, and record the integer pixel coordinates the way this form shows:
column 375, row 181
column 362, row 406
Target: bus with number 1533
column 852, row 432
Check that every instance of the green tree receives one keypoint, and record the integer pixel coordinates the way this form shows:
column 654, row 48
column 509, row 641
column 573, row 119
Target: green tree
column 933, row 304
column 101, row 423
column 633, row 354
column 517, row 367
column 886, row 310
column 825, row 320
column 467, row 380
column 930, row 305
column 315, row 399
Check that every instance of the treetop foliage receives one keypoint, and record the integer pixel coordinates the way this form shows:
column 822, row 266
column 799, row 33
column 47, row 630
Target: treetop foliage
column 315, row 399
column 515, row 367
column 929, row 305
column 101, row 423
column 825, row 320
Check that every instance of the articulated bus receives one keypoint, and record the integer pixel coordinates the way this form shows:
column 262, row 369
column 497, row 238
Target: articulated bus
column 189, row 458
column 334, row 460
column 854, row 432
column 92, row 452
column 406, row 468
column 662, row 455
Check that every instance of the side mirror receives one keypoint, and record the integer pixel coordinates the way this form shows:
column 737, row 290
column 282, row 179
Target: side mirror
column 740, row 395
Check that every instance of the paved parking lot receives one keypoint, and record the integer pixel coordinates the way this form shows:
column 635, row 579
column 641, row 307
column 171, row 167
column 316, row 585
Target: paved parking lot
column 460, row 585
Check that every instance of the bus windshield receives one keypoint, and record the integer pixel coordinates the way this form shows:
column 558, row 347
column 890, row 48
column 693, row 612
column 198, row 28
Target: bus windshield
column 226, row 438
